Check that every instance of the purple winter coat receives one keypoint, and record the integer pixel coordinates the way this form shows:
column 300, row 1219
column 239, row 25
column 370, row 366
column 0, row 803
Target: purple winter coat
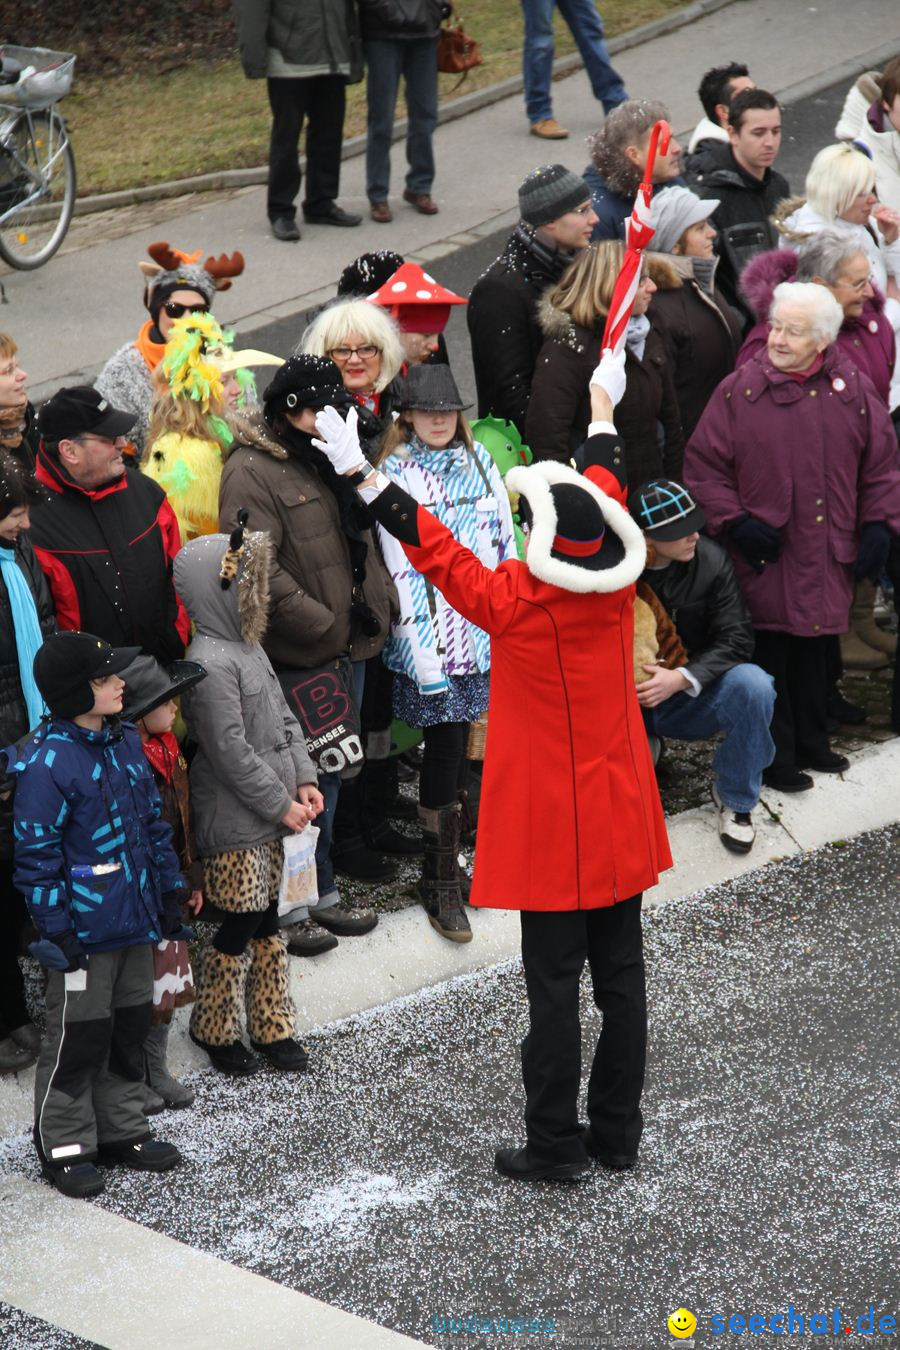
column 816, row 460
column 868, row 341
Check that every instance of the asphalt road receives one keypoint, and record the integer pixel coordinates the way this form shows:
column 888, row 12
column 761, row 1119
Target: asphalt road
column 767, row 1173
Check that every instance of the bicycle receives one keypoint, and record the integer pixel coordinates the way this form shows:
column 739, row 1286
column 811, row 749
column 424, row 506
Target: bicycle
column 37, row 165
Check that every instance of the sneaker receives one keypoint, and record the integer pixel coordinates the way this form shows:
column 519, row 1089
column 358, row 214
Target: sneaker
column 78, row 1181
column 149, row 1155
column 735, row 827
column 548, row 129
column 307, row 938
column 516, row 1163
column 346, row 921
column 234, row 1059
column 288, row 1055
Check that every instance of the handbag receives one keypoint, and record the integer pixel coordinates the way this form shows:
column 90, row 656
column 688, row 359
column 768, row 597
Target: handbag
column 322, row 702
column 457, row 53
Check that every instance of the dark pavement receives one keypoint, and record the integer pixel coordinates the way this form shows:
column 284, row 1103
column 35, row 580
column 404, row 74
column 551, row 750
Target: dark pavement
column 768, row 1167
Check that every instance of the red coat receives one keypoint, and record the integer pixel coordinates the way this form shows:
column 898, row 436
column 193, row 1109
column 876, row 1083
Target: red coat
column 570, row 816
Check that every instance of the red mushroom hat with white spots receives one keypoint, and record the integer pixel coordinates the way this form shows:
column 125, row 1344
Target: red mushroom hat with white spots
column 415, row 300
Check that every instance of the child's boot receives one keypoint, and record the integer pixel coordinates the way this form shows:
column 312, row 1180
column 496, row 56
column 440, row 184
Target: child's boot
column 173, row 1093
column 216, row 1015
column 270, row 1014
column 439, row 888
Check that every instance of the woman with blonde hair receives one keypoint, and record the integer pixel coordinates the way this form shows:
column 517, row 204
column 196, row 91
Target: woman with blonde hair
column 572, row 316
column 18, row 434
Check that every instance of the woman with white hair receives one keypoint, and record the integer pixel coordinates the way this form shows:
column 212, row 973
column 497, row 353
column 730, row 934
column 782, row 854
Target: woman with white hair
column 795, row 464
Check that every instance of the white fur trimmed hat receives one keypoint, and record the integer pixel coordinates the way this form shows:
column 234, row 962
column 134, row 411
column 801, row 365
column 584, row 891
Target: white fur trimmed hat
column 580, row 539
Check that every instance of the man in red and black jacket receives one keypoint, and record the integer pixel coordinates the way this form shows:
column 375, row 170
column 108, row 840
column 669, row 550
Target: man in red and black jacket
column 105, row 536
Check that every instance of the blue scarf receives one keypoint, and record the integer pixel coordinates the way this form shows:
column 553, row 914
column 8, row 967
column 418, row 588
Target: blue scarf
column 26, row 629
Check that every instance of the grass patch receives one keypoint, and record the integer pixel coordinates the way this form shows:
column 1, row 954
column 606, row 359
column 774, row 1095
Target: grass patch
column 133, row 129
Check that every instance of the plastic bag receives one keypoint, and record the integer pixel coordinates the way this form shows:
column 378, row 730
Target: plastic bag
column 298, row 877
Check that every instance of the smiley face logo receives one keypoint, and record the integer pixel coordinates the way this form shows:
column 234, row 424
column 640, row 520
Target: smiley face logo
column 682, row 1324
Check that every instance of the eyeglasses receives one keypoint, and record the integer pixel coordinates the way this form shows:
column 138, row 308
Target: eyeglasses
column 365, row 352
column 176, row 311
column 856, row 286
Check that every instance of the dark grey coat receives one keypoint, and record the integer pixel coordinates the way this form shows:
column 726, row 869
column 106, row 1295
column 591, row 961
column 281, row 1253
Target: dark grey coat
column 316, row 36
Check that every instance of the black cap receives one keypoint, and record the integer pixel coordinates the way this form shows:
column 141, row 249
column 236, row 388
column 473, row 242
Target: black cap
column 148, row 684
column 77, row 411
column 368, row 272
column 430, row 388
column 665, row 510
column 67, row 662
column 305, row 382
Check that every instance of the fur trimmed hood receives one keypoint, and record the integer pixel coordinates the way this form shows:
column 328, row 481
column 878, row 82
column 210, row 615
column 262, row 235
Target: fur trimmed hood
column 240, row 613
column 253, row 430
column 768, row 270
column 534, row 483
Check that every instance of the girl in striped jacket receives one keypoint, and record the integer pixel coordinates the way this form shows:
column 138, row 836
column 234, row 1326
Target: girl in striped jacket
column 441, row 660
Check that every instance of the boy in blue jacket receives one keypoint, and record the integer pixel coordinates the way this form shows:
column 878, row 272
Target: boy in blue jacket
column 95, row 863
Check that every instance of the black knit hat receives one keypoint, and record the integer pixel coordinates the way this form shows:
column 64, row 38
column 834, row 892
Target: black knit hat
column 549, row 192
column 430, row 388
column 666, row 510
column 304, row 382
column 148, row 684
column 67, row 662
column 368, row 272
column 78, row 410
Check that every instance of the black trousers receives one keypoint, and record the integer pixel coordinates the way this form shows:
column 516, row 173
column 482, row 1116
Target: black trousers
column 320, row 101
column 237, row 929
column 555, row 947
column 444, row 768
column 800, row 668
column 13, row 1010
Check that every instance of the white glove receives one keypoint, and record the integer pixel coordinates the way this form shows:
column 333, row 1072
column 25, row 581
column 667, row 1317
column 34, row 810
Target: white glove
column 340, row 440
column 610, row 375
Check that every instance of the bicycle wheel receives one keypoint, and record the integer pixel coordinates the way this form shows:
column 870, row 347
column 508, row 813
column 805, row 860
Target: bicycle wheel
column 37, row 189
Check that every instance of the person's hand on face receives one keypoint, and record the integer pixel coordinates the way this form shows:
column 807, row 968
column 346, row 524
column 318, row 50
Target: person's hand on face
column 888, row 222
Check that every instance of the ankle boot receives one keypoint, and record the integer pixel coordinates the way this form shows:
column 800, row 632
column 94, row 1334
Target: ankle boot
column 350, row 854
column 857, row 655
column 216, row 1015
column 439, row 887
column 862, row 620
column 376, row 788
column 156, row 1070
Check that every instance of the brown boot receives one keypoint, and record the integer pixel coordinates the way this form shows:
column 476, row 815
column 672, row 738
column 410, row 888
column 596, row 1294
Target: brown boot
column 857, row 655
column 439, row 888
column 862, row 620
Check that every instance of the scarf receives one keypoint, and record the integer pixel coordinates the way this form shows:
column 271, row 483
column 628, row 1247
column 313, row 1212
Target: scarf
column 553, row 261
column 636, row 334
column 26, row 631
column 161, row 752
column 149, row 346
column 12, row 426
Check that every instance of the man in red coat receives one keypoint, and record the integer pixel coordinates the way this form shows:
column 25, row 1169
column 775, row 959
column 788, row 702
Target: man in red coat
column 571, row 829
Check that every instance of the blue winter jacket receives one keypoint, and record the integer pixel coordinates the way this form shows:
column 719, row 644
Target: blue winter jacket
column 92, row 852
column 612, row 210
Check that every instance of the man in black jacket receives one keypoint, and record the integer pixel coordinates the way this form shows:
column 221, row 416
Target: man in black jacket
column 105, row 536
column 741, row 178
column 719, row 690
column 556, row 224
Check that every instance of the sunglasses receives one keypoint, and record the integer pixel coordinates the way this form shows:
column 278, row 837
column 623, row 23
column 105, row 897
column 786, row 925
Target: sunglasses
column 176, row 311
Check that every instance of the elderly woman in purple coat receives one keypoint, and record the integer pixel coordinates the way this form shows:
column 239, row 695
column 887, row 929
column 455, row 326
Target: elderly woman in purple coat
column 795, row 463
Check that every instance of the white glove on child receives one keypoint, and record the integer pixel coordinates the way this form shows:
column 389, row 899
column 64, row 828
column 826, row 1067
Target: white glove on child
column 610, row 375
column 340, row 440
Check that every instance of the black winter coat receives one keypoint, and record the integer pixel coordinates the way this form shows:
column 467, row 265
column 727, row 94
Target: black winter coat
column 701, row 333
column 647, row 418
column 400, row 20
column 704, row 602
column 743, row 217
column 504, row 329
column 14, row 721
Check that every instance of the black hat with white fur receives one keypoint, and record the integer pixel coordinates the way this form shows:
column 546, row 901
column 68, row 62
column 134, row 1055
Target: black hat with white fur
column 579, row 538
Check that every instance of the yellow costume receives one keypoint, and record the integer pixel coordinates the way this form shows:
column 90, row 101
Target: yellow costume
column 189, row 471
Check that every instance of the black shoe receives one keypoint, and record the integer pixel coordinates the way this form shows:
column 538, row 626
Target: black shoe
column 150, row 1155
column 234, row 1059
column 288, row 1055
column 332, row 214
column 346, row 921
column 787, row 780
column 618, row 1162
column 845, row 713
column 285, row 228
column 515, row 1162
column 361, row 864
column 78, row 1181
column 828, row 761
column 308, row 938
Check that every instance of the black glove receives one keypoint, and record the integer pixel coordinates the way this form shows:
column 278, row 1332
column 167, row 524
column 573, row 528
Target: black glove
column 172, row 917
column 760, row 543
column 874, row 547
column 62, row 951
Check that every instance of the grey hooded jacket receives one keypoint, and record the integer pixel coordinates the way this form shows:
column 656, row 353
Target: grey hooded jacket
column 252, row 756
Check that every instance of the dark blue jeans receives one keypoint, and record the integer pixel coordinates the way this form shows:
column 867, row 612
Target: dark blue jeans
column 740, row 703
column 537, row 54
column 416, row 61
